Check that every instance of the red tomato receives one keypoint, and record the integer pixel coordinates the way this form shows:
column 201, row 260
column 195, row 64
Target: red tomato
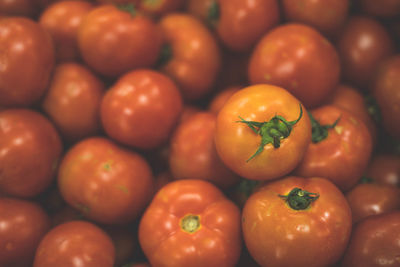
column 386, row 92
column 372, row 199
column 362, row 44
column 219, row 100
column 340, row 150
column 160, row 7
column 113, row 41
column 191, row 223
column 384, row 168
column 62, row 20
column 25, row 8
column 297, row 222
column 27, row 60
column 375, row 242
column 327, row 16
column 193, row 59
column 141, row 109
column 23, row 225
column 30, row 149
column 106, row 182
column 382, row 8
column 73, row 101
column 262, row 132
column 193, row 155
column 299, row 59
column 74, row 244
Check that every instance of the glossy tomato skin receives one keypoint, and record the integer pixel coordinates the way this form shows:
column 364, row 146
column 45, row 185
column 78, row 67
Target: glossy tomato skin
column 384, row 168
column 277, row 235
column 27, row 60
column 62, row 21
column 298, row 58
column 359, row 57
column 136, row 41
column 375, row 242
column 106, row 182
column 24, row 223
column 73, row 244
column 343, row 155
column 193, row 154
column 387, row 94
column 30, row 151
column 72, row 101
column 327, row 16
column 236, row 142
column 195, row 60
column 216, row 241
column 141, row 109
column 369, row 199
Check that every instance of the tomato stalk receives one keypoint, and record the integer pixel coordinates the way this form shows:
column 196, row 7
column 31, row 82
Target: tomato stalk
column 165, row 55
column 373, row 108
column 190, row 223
column 271, row 131
column 130, row 8
column 320, row 132
column 213, row 13
column 299, row 199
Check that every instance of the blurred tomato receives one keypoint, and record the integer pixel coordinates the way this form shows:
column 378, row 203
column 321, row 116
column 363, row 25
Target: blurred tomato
column 382, row 8
column 384, row 168
column 219, row 100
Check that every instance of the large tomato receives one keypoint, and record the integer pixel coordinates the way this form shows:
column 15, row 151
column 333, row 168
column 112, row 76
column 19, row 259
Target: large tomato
column 191, row 223
column 297, row 222
column 262, row 132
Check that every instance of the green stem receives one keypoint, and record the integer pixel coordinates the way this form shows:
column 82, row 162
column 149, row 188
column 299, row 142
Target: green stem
column 130, row 8
column 213, row 13
column 272, row 131
column 320, row 132
column 165, row 55
column 373, row 108
column 299, row 199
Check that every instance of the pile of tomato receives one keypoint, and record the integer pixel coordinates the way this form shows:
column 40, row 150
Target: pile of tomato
column 199, row 133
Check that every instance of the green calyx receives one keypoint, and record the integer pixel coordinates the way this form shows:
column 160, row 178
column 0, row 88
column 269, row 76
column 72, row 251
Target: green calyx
column 164, row 56
column 213, row 13
column 373, row 108
column 130, row 8
column 320, row 132
column 299, row 199
column 190, row 223
column 272, row 131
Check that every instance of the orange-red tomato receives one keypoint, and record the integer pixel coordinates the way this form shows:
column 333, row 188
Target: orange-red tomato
column 278, row 142
column 191, row 223
column 26, row 8
column 382, row 8
column 297, row 222
column 193, row 59
column 27, row 60
column 298, row 58
column 219, row 100
column 339, row 152
column 384, row 168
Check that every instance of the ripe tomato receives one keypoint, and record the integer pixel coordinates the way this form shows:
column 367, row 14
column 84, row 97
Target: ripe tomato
column 375, row 242
column 141, row 109
column 296, row 222
column 27, row 60
column 383, row 8
column 191, row 223
column 384, row 168
column 62, row 21
column 73, row 101
column 106, row 182
column 298, row 58
column 340, row 150
column 160, row 7
column 23, row 225
column 30, row 149
column 75, row 243
column 192, row 54
column 25, row 8
column 193, row 155
column 219, row 100
column 274, row 144
column 113, row 41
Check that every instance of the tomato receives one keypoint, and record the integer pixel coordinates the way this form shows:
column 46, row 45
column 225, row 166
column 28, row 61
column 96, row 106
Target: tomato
column 23, row 225
column 384, row 168
column 106, row 182
column 371, row 199
column 238, row 23
column 141, row 109
column 62, row 21
column 113, row 41
column 274, row 144
column 73, row 101
column 298, row 58
column 383, row 8
column 191, row 223
column 26, row 60
column 340, row 150
column 387, row 94
column 297, row 222
column 375, row 241
column 30, row 149
column 25, row 8
column 192, row 56
column 362, row 45
column 160, row 7
column 233, row 71
column 193, row 155
column 219, row 100
column 74, row 244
